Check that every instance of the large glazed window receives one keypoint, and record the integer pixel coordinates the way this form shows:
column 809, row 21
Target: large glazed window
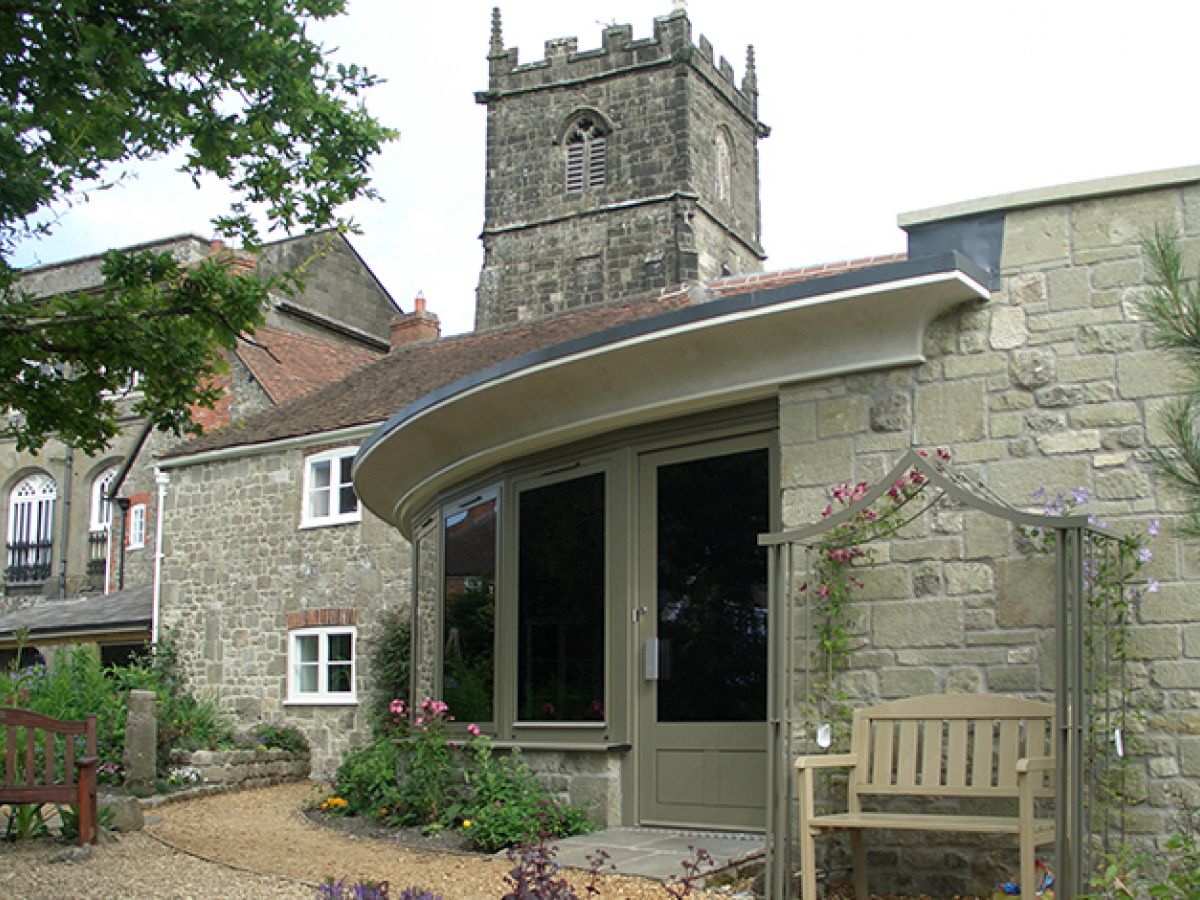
column 560, row 610
column 712, row 588
column 469, row 592
column 31, row 530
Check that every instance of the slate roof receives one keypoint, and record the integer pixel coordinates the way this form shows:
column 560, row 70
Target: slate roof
column 374, row 392
column 289, row 365
column 118, row 610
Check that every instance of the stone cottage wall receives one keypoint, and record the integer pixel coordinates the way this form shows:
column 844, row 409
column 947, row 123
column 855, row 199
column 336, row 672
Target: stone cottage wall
column 236, row 565
column 1050, row 384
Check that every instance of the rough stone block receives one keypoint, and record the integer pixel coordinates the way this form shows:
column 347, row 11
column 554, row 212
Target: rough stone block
column 1172, row 603
column 797, row 423
column 1095, row 367
column 907, row 682
column 929, row 548
column 846, row 415
column 1118, row 274
column 1025, row 593
column 969, row 578
column 1069, row 442
column 1122, row 220
column 1017, row 481
column 1032, row 368
column 1007, row 679
column 964, row 681
column 1035, row 236
column 824, row 463
column 950, row 413
column 1108, row 338
column 1008, row 328
column 1154, row 642
column 1148, row 374
column 1121, row 485
column 1105, row 415
column 975, row 364
column 925, row 623
column 986, row 535
column 883, row 583
column 1177, row 675
column 1028, row 288
column 1068, row 288
column 1057, row 396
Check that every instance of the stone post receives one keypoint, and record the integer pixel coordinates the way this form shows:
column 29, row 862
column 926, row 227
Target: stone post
column 141, row 740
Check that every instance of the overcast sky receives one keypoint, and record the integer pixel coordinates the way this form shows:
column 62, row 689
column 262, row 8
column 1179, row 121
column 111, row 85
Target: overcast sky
column 876, row 107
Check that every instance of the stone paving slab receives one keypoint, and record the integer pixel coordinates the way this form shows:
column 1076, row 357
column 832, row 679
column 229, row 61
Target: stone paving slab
column 659, row 852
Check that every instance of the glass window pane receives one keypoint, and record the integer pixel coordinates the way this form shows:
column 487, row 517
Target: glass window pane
column 561, row 568
column 468, row 660
column 344, row 466
column 712, row 589
column 318, row 504
column 339, row 647
column 339, row 678
column 306, row 648
column 320, row 474
column 306, row 678
column 347, row 502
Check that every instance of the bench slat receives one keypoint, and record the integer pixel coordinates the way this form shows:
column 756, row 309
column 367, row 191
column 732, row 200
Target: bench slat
column 893, row 790
column 906, row 761
column 881, row 756
column 1010, row 744
column 1043, row 828
column 982, row 753
column 956, row 755
column 931, row 757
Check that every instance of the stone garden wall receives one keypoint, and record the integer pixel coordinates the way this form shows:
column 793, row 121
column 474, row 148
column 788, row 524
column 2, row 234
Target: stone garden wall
column 1049, row 385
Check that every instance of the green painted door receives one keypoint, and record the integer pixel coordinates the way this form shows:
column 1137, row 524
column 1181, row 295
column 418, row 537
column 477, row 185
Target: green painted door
column 702, row 627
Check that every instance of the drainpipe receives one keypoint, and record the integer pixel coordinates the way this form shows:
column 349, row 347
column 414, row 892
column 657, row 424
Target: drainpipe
column 68, row 476
column 123, row 505
column 162, row 479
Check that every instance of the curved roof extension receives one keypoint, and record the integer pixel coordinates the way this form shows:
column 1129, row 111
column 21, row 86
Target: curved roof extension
column 685, row 358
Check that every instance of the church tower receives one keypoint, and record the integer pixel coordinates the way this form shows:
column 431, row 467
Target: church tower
column 616, row 171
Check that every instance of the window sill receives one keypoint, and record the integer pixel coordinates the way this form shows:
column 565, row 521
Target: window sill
column 562, row 746
column 327, row 523
column 321, row 701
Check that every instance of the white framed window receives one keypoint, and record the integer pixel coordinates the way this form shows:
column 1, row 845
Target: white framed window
column 329, row 497
column 31, row 530
column 137, row 526
column 321, row 665
column 101, row 515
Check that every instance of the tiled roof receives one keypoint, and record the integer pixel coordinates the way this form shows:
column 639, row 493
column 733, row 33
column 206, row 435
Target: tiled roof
column 122, row 609
column 288, row 365
column 376, row 391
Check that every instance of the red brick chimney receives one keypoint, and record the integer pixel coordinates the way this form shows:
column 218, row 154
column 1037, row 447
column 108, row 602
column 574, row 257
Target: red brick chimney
column 415, row 327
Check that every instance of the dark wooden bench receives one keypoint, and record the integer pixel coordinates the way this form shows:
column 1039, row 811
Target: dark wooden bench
column 968, row 746
column 77, row 785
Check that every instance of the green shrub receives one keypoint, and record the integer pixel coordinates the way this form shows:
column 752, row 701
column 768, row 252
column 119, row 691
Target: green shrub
column 275, row 737
column 390, row 670
column 367, row 780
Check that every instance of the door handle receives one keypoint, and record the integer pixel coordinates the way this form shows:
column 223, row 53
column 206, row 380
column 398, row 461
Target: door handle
column 651, row 657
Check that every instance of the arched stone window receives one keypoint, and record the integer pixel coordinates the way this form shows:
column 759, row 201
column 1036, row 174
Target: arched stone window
column 587, row 154
column 31, row 530
column 101, row 514
column 723, row 165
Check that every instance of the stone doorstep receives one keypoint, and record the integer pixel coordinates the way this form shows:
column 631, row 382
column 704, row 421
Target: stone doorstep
column 660, row 852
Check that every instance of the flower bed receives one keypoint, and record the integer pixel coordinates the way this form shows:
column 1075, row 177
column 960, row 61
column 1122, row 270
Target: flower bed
column 242, row 768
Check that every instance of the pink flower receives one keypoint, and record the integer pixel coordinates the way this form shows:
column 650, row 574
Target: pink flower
column 473, row 730
column 399, row 708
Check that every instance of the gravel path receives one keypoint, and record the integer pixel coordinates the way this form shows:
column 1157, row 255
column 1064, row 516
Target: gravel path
column 255, row 844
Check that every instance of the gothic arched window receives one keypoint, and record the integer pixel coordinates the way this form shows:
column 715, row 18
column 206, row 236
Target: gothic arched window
column 587, row 155
column 31, row 529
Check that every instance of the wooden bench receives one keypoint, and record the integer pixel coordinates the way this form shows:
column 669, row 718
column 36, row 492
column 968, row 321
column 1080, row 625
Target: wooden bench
column 78, row 782
column 938, row 746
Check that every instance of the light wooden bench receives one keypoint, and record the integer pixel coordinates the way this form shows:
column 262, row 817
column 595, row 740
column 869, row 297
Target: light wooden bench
column 938, row 746
column 77, row 785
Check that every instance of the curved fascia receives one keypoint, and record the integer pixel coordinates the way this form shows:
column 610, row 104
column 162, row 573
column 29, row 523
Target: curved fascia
column 697, row 359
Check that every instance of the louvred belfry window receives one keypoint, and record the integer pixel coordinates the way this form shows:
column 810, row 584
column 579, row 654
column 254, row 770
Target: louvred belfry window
column 587, row 157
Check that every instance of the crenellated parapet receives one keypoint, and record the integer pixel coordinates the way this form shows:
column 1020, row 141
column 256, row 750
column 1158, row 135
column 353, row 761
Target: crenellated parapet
column 563, row 64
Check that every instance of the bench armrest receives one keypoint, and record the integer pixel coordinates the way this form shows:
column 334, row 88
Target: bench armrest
column 1036, row 764
column 827, row 761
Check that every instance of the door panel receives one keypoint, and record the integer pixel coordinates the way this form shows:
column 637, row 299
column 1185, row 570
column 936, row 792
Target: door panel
column 703, row 581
